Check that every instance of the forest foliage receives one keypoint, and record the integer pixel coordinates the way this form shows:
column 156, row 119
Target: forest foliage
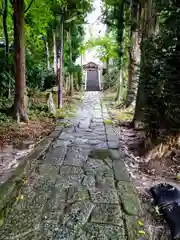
column 140, row 52
column 43, row 36
column 142, row 60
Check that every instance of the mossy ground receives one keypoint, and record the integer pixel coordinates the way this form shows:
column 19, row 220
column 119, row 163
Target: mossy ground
column 117, row 114
column 122, row 115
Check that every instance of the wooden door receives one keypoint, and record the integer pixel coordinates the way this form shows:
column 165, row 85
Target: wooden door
column 92, row 80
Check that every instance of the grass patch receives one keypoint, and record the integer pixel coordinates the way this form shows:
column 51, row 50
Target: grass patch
column 108, row 121
column 60, row 114
column 122, row 115
column 109, row 96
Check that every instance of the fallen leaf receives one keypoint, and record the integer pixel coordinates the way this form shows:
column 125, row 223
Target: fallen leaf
column 20, row 197
column 140, row 223
column 141, row 232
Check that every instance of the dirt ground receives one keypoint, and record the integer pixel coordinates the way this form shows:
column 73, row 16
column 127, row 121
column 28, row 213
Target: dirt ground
column 31, row 131
column 147, row 167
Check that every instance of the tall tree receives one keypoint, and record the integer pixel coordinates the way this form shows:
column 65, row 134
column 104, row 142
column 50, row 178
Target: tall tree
column 71, row 90
column 149, row 26
column 134, row 53
column 120, row 26
column 61, row 65
column 48, row 55
column 54, row 50
column 20, row 101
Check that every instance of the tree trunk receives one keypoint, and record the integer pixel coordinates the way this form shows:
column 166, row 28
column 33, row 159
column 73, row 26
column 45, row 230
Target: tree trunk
column 57, row 67
column 149, row 29
column 55, row 51
column 5, row 13
column 120, row 24
column 133, row 76
column 20, row 103
column 134, row 56
column 67, row 82
column 107, row 50
column 47, row 55
column 71, row 92
column 139, row 114
column 60, row 84
column 119, row 96
column 77, row 86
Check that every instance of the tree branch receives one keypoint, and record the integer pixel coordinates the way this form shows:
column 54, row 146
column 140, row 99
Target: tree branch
column 28, row 6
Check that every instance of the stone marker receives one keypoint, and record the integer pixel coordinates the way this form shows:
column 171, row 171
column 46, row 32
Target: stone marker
column 50, row 104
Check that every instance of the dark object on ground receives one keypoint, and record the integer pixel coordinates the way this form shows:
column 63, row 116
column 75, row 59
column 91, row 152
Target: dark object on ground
column 167, row 198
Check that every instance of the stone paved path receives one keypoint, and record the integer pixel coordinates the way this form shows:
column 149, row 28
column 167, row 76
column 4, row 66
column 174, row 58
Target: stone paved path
column 80, row 188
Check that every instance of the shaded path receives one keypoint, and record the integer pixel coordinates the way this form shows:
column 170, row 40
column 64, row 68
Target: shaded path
column 80, row 188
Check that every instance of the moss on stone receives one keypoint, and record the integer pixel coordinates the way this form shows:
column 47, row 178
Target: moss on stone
column 100, row 153
column 68, row 125
column 108, row 121
column 104, row 154
column 60, row 123
column 107, row 213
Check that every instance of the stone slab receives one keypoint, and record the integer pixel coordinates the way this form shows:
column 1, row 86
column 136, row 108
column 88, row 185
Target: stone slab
column 129, row 198
column 106, row 232
column 68, row 181
column 77, row 215
column 55, row 134
column 76, row 194
column 58, row 128
column 70, row 170
column 56, row 156
column 76, row 157
column 25, row 213
column 113, row 144
column 97, row 167
column 120, row 171
column 61, row 143
column 104, row 182
column 104, row 196
column 66, row 136
column 89, row 182
column 48, row 171
column 107, row 213
column 9, row 189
